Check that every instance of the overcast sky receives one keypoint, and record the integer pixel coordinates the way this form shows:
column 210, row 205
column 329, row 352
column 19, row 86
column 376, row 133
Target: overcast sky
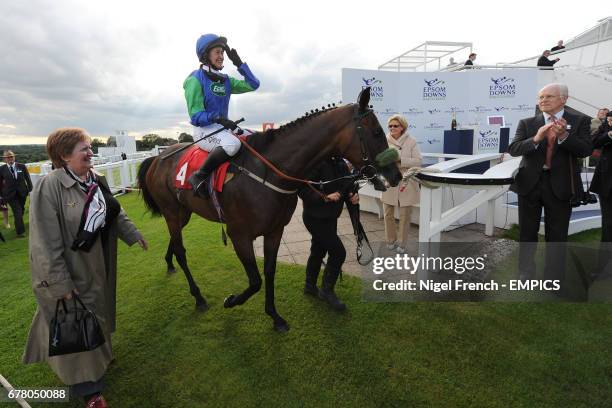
column 113, row 65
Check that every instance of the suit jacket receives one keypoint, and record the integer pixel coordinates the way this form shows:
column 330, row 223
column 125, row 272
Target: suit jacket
column 545, row 62
column 602, row 179
column 11, row 187
column 468, row 62
column 577, row 144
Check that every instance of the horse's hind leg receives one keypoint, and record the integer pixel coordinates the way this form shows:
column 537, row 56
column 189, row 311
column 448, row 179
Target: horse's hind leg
column 244, row 250
column 175, row 226
column 170, row 252
column 168, row 258
column 271, row 244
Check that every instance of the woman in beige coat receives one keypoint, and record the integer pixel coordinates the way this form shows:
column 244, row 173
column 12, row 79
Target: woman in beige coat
column 403, row 196
column 73, row 251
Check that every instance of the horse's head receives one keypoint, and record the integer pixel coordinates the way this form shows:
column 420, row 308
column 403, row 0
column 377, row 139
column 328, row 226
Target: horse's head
column 369, row 150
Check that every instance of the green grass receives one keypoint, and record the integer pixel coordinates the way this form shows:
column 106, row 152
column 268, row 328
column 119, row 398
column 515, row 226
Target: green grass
column 592, row 235
column 377, row 354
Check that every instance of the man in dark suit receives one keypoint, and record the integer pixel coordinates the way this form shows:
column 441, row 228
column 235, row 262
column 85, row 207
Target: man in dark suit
column 470, row 60
column 550, row 144
column 558, row 47
column 602, row 179
column 16, row 185
column 543, row 61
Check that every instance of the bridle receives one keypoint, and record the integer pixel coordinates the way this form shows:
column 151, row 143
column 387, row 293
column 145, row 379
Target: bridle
column 360, row 132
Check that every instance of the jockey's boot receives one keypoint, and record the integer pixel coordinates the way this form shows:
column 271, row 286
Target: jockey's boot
column 199, row 178
column 326, row 292
column 312, row 274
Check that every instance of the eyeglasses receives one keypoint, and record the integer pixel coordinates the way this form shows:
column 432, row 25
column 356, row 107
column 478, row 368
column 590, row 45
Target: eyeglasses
column 394, row 126
column 547, row 97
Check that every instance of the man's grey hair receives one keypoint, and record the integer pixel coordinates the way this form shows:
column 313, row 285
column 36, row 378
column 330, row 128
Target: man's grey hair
column 563, row 91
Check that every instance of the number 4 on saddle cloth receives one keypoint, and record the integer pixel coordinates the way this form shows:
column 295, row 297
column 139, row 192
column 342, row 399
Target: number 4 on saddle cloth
column 191, row 162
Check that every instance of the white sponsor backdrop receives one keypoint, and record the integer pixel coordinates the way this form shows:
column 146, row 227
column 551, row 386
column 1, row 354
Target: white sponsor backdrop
column 428, row 99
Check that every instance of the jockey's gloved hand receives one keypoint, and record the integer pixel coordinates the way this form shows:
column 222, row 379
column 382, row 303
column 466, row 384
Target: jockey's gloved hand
column 232, row 54
column 226, row 123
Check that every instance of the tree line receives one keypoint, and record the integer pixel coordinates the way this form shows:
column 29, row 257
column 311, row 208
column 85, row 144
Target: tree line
column 28, row 153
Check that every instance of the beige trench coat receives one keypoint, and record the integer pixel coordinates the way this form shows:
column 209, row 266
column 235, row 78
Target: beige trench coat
column 410, row 156
column 56, row 205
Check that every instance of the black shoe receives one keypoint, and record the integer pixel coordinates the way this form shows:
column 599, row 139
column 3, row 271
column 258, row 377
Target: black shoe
column 311, row 290
column 329, row 296
column 199, row 179
column 199, row 184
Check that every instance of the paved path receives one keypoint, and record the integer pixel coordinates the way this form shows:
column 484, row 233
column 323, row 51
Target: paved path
column 295, row 245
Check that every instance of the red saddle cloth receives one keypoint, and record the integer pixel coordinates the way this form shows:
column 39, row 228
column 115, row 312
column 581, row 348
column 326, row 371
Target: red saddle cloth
column 192, row 161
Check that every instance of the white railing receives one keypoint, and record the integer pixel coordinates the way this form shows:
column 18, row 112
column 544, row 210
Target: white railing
column 456, row 68
column 98, row 160
column 594, row 54
column 121, row 175
column 490, row 185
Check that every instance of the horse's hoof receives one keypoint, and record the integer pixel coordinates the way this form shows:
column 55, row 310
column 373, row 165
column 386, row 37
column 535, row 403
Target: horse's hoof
column 229, row 301
column 281, row 327
column 171, row 271
column 202, row 307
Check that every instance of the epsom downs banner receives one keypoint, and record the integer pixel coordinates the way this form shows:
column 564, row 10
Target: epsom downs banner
column 429, row 99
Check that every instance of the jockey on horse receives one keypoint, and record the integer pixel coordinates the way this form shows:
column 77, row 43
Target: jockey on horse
column 207, row 92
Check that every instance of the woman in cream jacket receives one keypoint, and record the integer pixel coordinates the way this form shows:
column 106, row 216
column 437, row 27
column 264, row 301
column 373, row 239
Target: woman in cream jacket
column 403, row 196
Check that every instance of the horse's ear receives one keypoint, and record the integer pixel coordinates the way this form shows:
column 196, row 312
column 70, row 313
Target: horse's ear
column 364, row 99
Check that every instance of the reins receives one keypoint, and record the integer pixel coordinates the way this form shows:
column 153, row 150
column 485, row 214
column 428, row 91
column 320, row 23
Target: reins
column 364, row 156
column 279, row 172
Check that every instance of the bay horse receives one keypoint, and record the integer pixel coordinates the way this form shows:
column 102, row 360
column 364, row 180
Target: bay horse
column 252, row 209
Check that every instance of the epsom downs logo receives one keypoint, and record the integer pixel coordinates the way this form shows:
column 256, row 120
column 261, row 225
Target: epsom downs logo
column 503, row 87
column 376, row 88
column 434, row 90
column 488, row 140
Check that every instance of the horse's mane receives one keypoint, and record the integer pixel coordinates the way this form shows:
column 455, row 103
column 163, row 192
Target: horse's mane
column 260, row 140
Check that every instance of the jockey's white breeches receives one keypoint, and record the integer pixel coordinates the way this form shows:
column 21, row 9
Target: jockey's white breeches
column 225, row 139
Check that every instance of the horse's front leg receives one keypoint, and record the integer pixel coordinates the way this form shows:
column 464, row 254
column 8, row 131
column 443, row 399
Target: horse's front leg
column 271, row 243
column 244, row 249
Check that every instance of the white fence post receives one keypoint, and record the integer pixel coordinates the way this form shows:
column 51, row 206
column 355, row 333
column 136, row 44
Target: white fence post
column 124, row 172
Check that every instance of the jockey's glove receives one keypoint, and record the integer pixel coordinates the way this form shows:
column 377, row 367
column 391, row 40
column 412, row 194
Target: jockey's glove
column 232, row 54
column 226, row 123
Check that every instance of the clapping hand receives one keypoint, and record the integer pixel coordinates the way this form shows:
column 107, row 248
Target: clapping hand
column 541, row 135
column 559, row 126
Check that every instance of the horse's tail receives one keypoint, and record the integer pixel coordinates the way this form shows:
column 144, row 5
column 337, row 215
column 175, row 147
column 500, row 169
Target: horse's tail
column 142, row 183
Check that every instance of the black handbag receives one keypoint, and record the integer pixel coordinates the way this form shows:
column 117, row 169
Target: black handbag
column 74, row 331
